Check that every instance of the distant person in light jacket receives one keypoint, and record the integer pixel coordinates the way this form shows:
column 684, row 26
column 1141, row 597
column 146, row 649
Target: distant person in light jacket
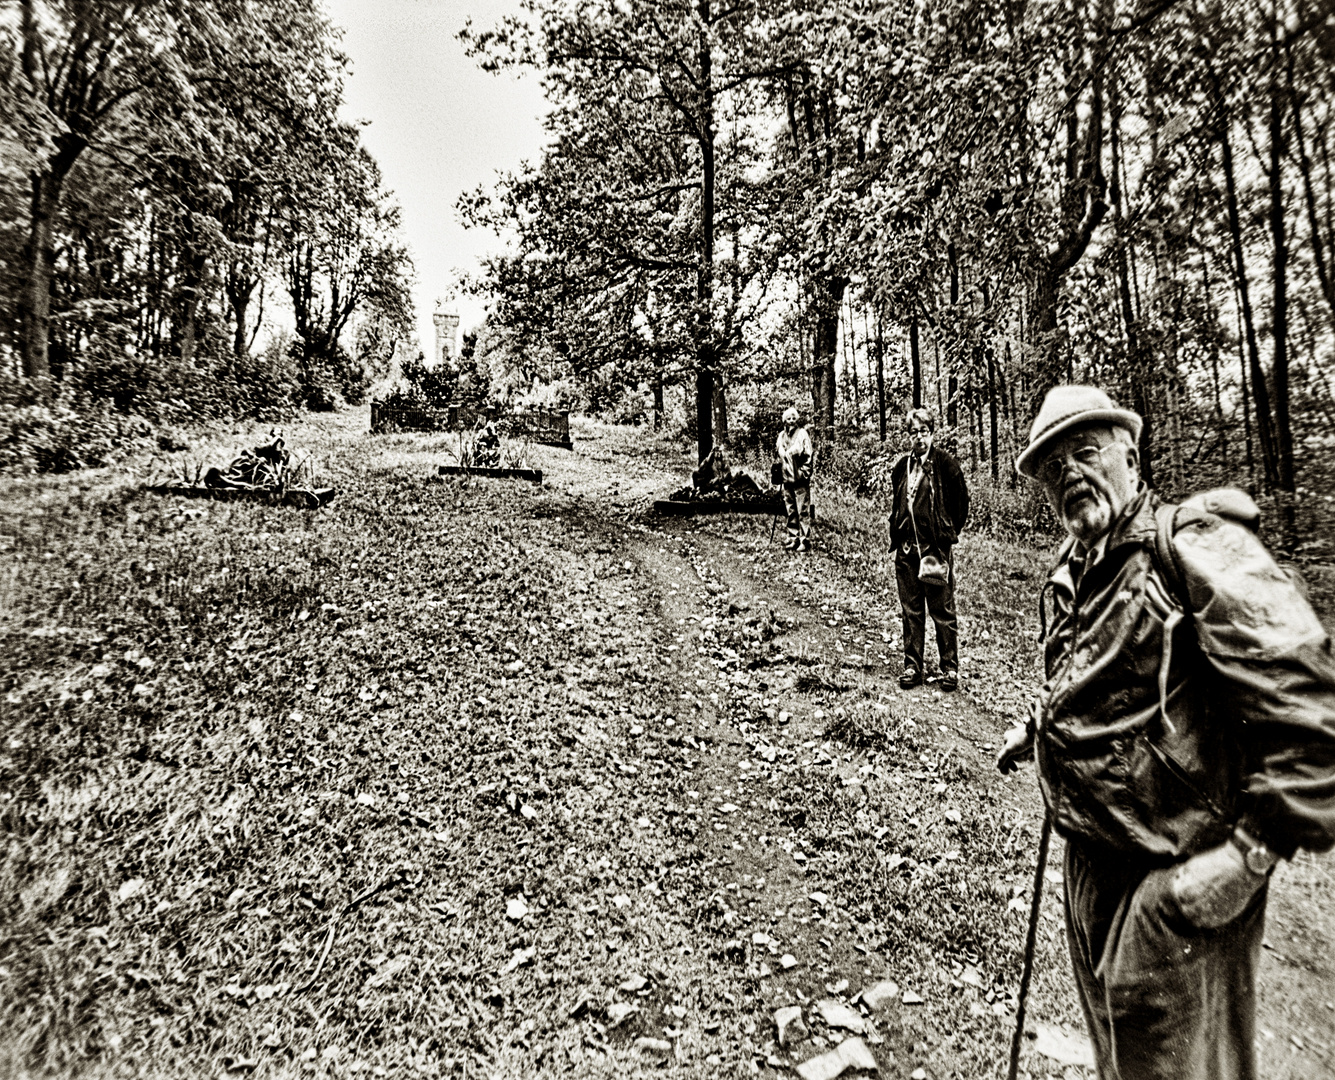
column 929, row 506
column 795, row 456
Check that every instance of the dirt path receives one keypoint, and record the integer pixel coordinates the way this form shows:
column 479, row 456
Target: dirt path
column 723, row 587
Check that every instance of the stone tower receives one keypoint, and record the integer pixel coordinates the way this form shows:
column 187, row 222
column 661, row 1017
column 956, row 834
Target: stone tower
column 447, row 329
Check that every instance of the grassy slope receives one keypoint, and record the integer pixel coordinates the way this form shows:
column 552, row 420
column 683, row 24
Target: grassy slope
column 222, row 728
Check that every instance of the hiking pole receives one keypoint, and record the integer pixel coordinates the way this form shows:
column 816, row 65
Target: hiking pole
column 1043, row 837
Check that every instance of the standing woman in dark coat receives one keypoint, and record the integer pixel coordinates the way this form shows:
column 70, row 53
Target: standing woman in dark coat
column 930, row 505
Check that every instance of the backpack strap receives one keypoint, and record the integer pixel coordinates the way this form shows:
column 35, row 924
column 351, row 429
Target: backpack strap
column 1165, row 557
column 1170, row 569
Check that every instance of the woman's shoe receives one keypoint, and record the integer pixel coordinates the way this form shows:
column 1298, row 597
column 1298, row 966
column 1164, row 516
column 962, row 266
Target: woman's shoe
column 910, row 678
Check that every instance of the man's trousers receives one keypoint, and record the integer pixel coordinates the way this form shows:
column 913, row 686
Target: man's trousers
column 797, row 503
column 940, row 604
column 1163, row 1000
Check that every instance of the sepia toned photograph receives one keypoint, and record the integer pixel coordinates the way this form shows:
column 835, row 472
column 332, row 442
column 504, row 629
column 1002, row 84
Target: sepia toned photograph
column 667, row 538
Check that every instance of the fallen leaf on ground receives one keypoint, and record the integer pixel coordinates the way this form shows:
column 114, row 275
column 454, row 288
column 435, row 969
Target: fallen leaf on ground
column 653, row 1047
column 618, row 1011
column 1073, row 1049
column 850, row 1054
column 791, row 1028
column 634, row 983
column 519, row 959
column 386, row 972
column 516, row 908
column 881, row 994
column 841, row 1016
column 131, row 888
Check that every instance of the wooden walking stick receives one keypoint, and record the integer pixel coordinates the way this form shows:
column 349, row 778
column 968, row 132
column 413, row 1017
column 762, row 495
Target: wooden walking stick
column 1031, row 938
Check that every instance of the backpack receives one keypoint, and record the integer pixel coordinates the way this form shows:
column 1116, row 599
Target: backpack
column 1228, row 503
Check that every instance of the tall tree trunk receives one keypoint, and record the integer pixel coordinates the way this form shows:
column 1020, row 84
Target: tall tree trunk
column 704, row 282
column 1304, row 161
column 1246, row 395
column 1280, row 300
column 851, row 361
column 39, row 256
column 657, row 384
column 829, row 294
column 992, row 406
column 1139, row 365
column 1260, row 394
column 915, row 363
column 880, row 374
column 720, row 410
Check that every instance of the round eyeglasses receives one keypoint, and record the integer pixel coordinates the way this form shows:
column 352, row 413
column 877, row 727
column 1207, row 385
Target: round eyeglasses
column 1085, row 457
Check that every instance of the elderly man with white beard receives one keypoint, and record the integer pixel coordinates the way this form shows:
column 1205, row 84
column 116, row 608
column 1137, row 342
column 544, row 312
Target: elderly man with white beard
column 1185, row 741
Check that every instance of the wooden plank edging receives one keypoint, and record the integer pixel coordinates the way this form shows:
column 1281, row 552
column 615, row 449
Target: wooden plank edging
column 695, row 507
column 501, row 474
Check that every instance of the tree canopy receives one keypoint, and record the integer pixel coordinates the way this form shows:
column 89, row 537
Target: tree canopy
column 171, row 167
column 979, row 198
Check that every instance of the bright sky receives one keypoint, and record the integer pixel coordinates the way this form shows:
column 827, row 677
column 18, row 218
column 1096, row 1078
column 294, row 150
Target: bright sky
column 440, row 126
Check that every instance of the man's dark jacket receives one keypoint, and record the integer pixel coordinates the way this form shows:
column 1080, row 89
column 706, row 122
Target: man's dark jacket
column 1160, row 729
column 940, row 505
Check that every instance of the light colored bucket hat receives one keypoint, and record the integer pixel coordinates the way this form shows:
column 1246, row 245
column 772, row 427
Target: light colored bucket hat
column 1068, row 407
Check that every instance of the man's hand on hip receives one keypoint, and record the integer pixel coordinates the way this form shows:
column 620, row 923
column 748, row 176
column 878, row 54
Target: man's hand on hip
column 1213, row 887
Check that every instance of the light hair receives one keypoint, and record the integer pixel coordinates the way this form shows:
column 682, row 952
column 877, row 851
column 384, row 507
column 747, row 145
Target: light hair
column 791, row 414
column 923, row 416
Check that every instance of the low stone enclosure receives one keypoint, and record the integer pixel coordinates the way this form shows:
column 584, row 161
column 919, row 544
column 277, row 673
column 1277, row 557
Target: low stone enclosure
column 548, row 426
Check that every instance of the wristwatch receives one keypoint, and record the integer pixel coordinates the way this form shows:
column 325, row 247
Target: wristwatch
column 1259, row 859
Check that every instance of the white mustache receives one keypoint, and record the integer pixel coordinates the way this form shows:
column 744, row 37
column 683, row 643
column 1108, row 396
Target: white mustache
column 1078, row 490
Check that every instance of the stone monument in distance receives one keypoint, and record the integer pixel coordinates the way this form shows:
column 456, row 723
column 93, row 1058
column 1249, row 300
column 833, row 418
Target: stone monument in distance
column 447, row 330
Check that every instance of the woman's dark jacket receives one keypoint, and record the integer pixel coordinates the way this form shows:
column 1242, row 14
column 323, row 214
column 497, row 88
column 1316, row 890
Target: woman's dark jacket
column 1160, row 729
column 940, row 505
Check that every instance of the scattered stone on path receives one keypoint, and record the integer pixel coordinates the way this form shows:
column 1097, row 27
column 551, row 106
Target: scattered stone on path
column 790, row 1025
column 850, row 1054
column 910, row 998
column 634, row 983
column 881, row 994
column 787, row 961
column 659, row 1048
column 841, row 1016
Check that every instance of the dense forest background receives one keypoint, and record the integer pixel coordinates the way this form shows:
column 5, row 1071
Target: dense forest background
column 955, row 203
column 175, row 178
column 855, row 206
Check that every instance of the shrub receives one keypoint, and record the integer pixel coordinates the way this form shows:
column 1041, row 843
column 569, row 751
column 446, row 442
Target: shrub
column 65, row 433
column 757, row 421
column 1020, row 512
column 268, row 385
column 631, row 406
